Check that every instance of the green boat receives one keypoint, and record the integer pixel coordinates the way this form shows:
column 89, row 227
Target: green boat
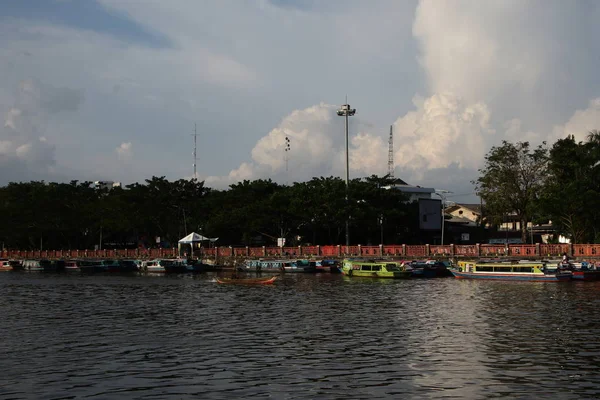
column 374, row 269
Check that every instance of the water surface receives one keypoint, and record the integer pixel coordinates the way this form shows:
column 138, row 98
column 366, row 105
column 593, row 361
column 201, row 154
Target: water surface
column 306, row 337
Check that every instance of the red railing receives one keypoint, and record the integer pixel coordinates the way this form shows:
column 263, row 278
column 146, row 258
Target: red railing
column 409, row 251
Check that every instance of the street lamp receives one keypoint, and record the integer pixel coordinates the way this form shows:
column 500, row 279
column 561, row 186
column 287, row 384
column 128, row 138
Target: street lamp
column 442, row 194
column 381, row 227
column 346, row 111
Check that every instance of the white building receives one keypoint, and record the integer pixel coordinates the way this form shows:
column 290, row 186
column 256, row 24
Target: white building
column 108, row 185
column 414, row 193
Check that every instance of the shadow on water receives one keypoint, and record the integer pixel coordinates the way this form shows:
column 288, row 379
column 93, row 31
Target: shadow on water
column 306, row 336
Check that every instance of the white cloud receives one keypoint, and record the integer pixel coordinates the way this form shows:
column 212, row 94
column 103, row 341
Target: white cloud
column 444, row 130
column 581, row 123
column 124, row 151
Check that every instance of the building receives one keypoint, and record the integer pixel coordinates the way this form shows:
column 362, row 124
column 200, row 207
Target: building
column 108, row 185
column 414, row 193
column 468, row 214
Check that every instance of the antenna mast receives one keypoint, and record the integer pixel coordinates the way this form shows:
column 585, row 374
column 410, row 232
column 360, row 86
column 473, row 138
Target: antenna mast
column 286, row 156
column 391, row 154
column 195, row 135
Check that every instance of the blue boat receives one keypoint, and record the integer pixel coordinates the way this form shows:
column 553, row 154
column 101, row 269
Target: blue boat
column 510, row 271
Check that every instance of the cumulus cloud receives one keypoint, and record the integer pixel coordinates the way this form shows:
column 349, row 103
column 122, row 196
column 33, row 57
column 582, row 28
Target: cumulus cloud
column 124, row 151
column 317, row 148
column 22, row 141
column 581, row 123
column 444, row 130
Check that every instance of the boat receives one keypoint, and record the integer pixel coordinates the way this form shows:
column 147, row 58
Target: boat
column 263, row 265
column 375, row 269
column 328, row 266
column 583, row 271
column 165, row 265
column 72, row 266
column 427, row 269
column 9, row 265
column 44, row 265
column 510, row 271
column 247, row 281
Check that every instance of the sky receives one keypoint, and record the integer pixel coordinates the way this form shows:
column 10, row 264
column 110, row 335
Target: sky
column 115, row 89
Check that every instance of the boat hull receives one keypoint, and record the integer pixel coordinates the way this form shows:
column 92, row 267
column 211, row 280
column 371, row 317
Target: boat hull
column 533, row 277
column 247, row 281
column 580, row 275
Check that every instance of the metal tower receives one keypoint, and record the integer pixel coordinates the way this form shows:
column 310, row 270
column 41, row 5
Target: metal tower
column 391, row 154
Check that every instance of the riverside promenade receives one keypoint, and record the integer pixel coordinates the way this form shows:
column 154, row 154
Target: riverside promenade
column 230, row 254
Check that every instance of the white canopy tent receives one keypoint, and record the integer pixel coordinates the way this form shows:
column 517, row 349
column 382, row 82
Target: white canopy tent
column 193, row 238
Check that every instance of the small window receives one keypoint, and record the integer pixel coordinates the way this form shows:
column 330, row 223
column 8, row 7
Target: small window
column 366, row 268
column 376, row 267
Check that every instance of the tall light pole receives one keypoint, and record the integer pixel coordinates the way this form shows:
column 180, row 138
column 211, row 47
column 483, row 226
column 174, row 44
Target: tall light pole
column 346, row 111
column 442, row 194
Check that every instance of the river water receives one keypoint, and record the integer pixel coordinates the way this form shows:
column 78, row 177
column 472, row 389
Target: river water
column 306, row 337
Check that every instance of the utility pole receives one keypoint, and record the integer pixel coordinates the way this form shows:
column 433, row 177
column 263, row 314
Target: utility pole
column 442, row 194
column 195, row 135
column 346, row 111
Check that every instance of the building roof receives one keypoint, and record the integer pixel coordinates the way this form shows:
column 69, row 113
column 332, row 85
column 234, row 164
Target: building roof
column 460, row 221
column 473, row 207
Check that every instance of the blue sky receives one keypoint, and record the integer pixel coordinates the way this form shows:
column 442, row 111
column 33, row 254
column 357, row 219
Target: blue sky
column 111, row 89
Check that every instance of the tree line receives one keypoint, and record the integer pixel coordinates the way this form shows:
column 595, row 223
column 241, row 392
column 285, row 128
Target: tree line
column 78, row 215
column 560, row 184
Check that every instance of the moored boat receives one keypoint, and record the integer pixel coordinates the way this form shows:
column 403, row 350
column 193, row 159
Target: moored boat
column 511, row 271
column 584, row 271
column 247, row 281
column 279, row 266
column 5, row 265
column 374, row 269
column 165, row 265
column 332, row 266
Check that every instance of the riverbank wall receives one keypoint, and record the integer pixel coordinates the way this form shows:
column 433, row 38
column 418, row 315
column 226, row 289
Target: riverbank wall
column 231, row 255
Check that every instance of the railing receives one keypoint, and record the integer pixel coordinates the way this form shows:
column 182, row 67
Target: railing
column 333, row 251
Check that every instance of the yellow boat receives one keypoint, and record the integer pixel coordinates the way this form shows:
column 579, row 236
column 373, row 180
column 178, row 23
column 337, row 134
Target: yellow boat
column 374, row 269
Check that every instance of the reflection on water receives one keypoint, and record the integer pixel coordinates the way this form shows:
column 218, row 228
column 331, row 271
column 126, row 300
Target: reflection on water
column 307, row 336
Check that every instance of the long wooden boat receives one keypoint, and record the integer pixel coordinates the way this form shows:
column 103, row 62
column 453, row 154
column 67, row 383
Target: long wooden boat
column 509, row 271
column 375, row 269
column 247, row 281
column 265, row 265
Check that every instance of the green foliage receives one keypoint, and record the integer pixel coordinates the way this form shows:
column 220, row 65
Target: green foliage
column 511, row 181
column 77, row 216
column 572, row 190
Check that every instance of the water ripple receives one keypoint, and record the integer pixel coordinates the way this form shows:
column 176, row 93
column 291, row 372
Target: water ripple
column 308, row 336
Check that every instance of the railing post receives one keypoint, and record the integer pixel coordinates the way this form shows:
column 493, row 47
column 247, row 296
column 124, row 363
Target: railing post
column 538, row 252
column 478, row 249
column 571, row 250
column 319, row 250
column 452, row 250
column 427, row 250
column 339, row 250
column 359, row 251
column 300, row 250
column 403, row 250
column 264, row 251
column 381, row 250
column 247, row 251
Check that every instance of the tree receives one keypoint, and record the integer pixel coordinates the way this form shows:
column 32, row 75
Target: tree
column 511, row 181
column 571, row 192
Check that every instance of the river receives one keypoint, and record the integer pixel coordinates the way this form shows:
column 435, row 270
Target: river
column 308, row 336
